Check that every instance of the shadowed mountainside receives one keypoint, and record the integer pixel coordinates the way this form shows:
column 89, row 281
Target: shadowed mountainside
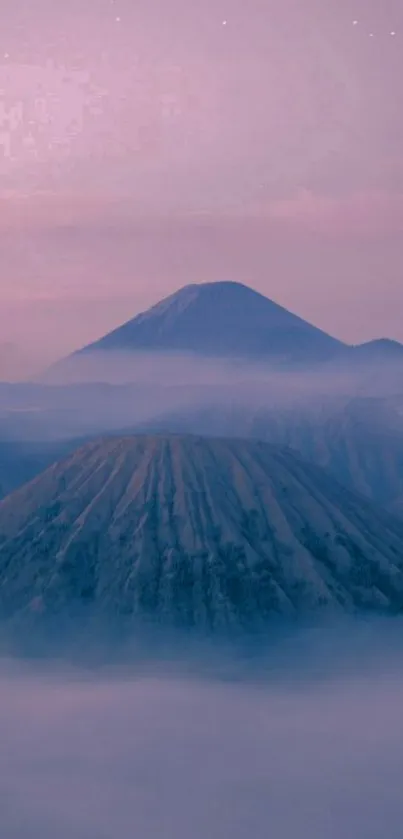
column 187, row 531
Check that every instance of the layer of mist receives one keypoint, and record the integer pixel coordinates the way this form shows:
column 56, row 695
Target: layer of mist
column 347, row 375
column 103, row 392
column 305, row 743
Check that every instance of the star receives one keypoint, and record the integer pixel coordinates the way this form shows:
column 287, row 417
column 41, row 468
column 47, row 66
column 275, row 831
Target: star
column 118, row 19
column 224, row 23
column 355, row 22
column 393, row 33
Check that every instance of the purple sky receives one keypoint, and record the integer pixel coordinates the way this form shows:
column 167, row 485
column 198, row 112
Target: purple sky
column 147, row 145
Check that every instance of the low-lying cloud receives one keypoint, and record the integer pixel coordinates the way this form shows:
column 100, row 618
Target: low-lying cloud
column 148, row 753
column 101, row 392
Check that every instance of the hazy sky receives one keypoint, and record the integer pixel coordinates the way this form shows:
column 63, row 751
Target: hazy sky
column 147, row 145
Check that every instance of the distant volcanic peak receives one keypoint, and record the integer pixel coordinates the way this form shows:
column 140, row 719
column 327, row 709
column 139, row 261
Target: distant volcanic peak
column 205, row 533
column 224, row 319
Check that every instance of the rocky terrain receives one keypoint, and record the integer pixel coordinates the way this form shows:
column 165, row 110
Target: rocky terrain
column 186, row 531
column 359, row 441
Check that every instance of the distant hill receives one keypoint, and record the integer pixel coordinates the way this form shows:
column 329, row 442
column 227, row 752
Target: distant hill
column 190, row 532
column 379, row 350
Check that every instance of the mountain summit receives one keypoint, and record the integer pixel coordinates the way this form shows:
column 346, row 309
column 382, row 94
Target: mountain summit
column 224, row 319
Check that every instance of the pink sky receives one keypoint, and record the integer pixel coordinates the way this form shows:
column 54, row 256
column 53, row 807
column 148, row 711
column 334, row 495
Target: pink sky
column 140, row 154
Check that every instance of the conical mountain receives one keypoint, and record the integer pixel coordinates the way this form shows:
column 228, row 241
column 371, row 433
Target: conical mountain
column 220, row 319
column 187, row 531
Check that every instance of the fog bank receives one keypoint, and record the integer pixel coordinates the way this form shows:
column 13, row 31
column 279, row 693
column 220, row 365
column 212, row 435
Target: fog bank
column 164, row 751
column 98, row 393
